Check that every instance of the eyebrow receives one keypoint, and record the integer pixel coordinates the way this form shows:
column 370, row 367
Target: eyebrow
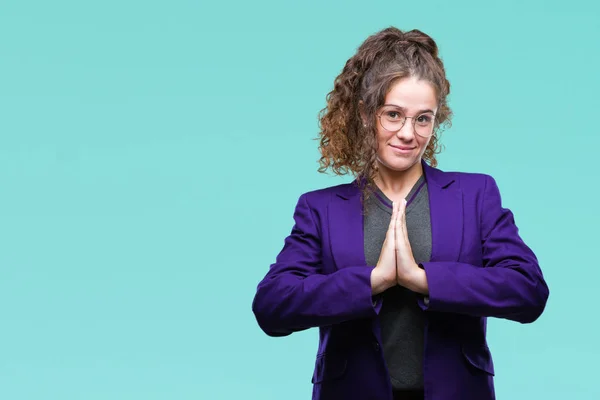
column 404, row 109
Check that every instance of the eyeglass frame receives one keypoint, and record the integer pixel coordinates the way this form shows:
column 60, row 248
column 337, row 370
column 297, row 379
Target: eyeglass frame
column 413, row 123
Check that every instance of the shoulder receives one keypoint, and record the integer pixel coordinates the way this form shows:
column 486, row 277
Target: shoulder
column 479, row 189
column 322, row 196
column 478, row 186
column 474, row 180
column 466, row 181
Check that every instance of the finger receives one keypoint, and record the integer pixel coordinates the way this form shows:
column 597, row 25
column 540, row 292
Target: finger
column 405, row 232
column 403, row 217
column 395, row 212
column 391, row 227
column 398, row 224
column 400, row 216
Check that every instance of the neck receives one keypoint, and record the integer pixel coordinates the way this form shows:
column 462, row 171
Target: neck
column 397, row 184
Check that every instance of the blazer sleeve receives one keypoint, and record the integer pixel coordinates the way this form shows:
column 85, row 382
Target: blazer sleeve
column 510, row 285
column 295, row 294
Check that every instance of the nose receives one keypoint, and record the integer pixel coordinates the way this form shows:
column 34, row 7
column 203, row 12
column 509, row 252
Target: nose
column 407, row 132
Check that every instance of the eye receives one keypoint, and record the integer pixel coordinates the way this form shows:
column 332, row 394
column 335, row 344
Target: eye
column 424, row 119
column 393, row 115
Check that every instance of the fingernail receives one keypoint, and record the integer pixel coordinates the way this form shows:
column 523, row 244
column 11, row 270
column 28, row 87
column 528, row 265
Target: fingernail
column 404, row 201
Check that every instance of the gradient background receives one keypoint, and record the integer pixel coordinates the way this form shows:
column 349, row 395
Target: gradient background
column 151, row 155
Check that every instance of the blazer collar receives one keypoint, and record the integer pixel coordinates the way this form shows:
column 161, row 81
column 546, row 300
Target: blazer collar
column 433, row 176
column 446, row 211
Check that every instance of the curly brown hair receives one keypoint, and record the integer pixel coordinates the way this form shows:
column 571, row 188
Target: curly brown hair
column 380, row 61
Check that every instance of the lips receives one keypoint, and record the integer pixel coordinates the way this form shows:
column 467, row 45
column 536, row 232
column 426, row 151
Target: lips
column 403, row 148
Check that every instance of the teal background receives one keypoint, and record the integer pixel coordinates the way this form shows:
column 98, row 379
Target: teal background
column 151, row 155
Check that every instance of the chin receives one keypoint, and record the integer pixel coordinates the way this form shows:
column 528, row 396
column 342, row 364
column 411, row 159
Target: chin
column 398, row 164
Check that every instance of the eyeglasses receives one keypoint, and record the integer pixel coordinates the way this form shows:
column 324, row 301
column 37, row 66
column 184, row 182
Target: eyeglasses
column 392, row 119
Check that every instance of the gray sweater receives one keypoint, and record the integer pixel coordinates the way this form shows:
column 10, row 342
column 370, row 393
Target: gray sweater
column 401, row 318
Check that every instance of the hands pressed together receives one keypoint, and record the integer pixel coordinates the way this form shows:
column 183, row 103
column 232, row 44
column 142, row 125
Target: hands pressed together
column 396, row 264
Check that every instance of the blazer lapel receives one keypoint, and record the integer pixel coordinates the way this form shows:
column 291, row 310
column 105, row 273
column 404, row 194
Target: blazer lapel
column 346, row 227
column 446, row 209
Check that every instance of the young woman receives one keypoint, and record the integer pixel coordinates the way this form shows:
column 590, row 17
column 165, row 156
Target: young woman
column 400, row 268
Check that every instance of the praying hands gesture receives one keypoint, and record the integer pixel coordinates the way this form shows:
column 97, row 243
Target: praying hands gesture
column 396, row 264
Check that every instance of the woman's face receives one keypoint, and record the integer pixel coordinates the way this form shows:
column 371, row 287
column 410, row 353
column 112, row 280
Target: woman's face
column 412, row 98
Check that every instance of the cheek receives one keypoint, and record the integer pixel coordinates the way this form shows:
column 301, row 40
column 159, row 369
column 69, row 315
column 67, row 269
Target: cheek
column 384, row 137
column 424, row 142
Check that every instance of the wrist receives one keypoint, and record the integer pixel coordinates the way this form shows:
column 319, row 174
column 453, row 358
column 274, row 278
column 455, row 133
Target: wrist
column 415, row 281
column 379, row 283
